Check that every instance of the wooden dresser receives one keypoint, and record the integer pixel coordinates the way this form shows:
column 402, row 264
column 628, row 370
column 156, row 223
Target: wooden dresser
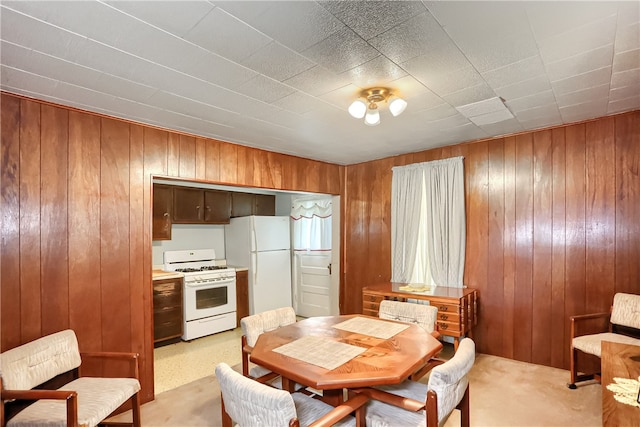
column 456, row 306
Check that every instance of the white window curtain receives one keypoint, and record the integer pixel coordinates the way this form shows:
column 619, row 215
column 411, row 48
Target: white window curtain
column 428, row 223
column 311, row 223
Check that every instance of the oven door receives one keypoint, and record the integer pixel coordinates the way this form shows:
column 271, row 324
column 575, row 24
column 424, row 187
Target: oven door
column 209, row 299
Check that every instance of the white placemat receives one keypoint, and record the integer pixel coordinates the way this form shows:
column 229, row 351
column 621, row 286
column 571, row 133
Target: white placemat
column 371, row 327
column 320, row 351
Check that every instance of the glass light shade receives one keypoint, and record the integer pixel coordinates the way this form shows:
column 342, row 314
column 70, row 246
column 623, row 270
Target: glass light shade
column 357, row 109
column 372, row 117
column 397, row 105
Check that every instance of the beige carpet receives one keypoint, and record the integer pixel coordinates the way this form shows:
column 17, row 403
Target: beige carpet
column 503, row 392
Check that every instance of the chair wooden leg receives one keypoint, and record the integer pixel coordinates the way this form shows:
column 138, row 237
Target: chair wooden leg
column 463, row 406
column 226, row 419
column 135, row 410
column 572, row 367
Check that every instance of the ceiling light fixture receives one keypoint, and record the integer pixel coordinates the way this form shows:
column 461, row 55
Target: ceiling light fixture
column 367, row 105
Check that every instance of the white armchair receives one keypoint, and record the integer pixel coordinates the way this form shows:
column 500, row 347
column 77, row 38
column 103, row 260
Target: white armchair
column 416, row 404
column 252, row 327
column 249, row 403
column 621, row 325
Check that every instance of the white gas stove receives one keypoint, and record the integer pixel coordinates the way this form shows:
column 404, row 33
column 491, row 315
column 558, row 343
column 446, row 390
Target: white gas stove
column 209, row 291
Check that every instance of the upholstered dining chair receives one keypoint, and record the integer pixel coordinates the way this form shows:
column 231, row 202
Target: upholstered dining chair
column 248, row 403
column 412, row 403
column 252, row 327
column 621, row 324
column 423, row 315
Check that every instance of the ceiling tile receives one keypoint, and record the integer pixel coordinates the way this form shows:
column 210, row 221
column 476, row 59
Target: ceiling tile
column 296, row 24
column 32, row 61
column 299, row 103
column 625, row 78
column 479, row 16
column 547, row 112
column 583, row 111
column 175, row 17
column 469, row 95
column 342, row 97
column 369, row 22
column 552, row 19
column 444, row 83
column 627, row 37
column 584, row 95
column 514, row 72
column 376, row 72
column 225, row 35
column 626, row 104
column 629, row 60
column 341, row 51
column 581, row 63
column 503, row 128
column 265, row 89
column 524, row 88
column 123, row 88
column 317, row 80
column 190, row 107
column 278, row 62
column 617, row 94
column 410, row 39
column 220, row 71
column 541, row 122
column 589, row 79
column 438, row 62
column 579, row 40
column 14, row 78
column 529, row 102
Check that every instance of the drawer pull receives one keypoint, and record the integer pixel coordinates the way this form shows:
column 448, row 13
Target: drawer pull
column 443, row 308
column 372, row 298
column 443, row 326
column 444, row 317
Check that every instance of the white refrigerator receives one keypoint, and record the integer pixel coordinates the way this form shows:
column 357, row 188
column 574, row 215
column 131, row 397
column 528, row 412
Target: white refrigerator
column 263, row 244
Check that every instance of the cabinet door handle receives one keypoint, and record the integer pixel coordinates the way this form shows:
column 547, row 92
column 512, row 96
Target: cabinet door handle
column 165, row 214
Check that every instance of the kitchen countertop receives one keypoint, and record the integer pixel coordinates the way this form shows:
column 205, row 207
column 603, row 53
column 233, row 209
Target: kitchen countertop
column 236, row 268
column 161, row 274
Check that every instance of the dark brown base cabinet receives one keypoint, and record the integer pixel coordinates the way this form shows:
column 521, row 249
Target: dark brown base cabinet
column 242, row 294
column 167, row 309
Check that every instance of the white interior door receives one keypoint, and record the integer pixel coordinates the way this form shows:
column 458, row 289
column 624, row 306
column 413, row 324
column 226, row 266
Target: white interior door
column 313, row 271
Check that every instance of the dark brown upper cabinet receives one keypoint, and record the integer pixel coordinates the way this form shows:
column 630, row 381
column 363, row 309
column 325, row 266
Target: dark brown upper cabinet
column 162, row 206
column 200, row 206
column 245, row 204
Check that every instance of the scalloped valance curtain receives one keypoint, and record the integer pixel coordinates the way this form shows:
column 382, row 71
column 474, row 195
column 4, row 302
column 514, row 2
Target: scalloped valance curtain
column 311, row 223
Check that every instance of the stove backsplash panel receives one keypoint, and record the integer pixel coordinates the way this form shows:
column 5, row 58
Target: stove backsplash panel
column 190, row 236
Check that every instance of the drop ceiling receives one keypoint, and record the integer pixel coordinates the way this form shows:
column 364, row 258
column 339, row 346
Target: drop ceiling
column 280, row 75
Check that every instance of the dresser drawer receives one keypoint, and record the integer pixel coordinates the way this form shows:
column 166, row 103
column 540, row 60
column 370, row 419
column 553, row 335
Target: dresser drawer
column 446, row 308
column 448, row 316
column 372, row 298
column 449, row 328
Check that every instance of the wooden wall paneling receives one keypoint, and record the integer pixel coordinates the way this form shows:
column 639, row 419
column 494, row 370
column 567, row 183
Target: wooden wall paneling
column 156, row 152
column 173, row 154
column 509, row 249
column 380, row 228
column 311, row 173
column 245, row 166
column 476, row 182
column 524, row 248
column 140, row 303
column 228, row 163
column 600, row 215
column 493, row 294
column 212, row 153
column 155, row 146
column 356, row 224
column 559, row 330
column 54, row 220
column 10, row 222
column 187, row 162
column 271, row 170
column 627, row 143
column 85, row 309
column 575, row 286
column 115, row 234
column 30, row 266
column 542, row 247
column 201, row 159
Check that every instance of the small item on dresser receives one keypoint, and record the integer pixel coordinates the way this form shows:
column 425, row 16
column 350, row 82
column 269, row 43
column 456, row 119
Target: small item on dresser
column 415, row 287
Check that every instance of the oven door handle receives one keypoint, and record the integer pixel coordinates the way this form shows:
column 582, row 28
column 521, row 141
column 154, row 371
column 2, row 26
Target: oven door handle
column 214, row 283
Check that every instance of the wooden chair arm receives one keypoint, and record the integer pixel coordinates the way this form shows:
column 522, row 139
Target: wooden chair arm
column 356, row 403
column 69, row 395
column 580, row 324
column 113, row 355
column 581, row 317
column 392, row 399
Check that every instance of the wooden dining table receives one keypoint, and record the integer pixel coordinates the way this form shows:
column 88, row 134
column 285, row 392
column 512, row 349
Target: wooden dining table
column 333, row 353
